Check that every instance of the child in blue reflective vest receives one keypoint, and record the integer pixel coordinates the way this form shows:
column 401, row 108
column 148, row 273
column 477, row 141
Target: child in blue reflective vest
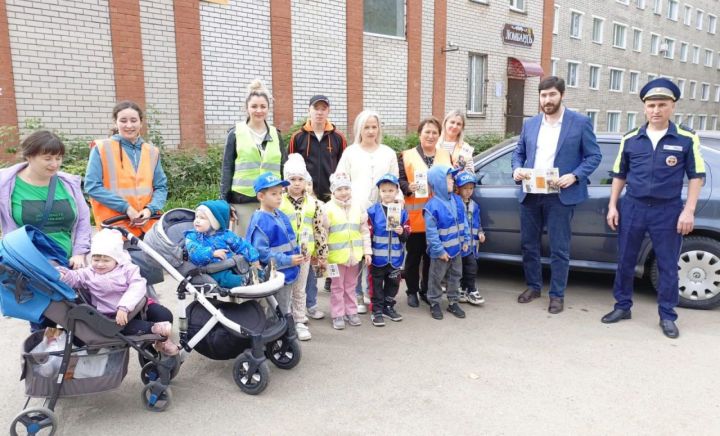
column 464, row 187
column 446, row 231
column 389, row 234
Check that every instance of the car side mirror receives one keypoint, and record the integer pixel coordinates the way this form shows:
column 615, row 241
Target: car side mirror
column 480, row 177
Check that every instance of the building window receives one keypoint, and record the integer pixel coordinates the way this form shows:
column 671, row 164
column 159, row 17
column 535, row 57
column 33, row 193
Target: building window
column 717, row 93
column 712, row 24
column 654, row 44
column 619, row 35
column 625, row 2
column 672, row 11
column 699, row 15
column 517, row 5
column 689, row 121
column 553, row 66
column 696, row 54
column 678, row 118
column 708, row 57
column 477, row 71
column 556, row 20
column 714, row 122
column 631, row 120
column 705, row 92
column 594, row 78
column 634, row 82
column 575, row 24
column 637, row 39
column 683, row 51
column 657, row 7
column 616, row 79
column 572, row 74
column 687, row 15
column 668, row 47
column 597, row 29
column 640, row 4
column 613, row 121
column 702, row 120
column 693, row 88
column 592, row 114
column 384, row 17
column 681, row 85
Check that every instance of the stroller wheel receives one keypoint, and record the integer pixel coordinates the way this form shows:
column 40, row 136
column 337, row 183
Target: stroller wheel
column 254, row 383
column 34, row 421
column 156, row 397
column 149, row 373
column 283, row 353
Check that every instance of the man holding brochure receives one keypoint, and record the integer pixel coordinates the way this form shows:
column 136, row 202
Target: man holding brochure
column 555, row 154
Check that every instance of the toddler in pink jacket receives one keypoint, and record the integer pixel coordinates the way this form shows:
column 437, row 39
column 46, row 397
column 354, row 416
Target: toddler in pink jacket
column 115, row 288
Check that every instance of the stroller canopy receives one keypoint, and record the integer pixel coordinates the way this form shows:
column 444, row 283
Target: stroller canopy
column 167, row 236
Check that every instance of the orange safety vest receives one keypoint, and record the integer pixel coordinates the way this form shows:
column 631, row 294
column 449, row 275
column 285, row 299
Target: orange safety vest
column 122, row 180
column 414, row 206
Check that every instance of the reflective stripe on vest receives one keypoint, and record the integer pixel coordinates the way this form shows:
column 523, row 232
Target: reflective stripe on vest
column 344, row 238
column 249, row 164
column 307, row 213
column 412, row 162
column 386, row 245
column 450, row 229
column 134, row 186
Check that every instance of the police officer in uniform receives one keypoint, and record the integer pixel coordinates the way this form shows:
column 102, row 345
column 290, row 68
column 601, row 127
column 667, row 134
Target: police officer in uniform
column 650, row 164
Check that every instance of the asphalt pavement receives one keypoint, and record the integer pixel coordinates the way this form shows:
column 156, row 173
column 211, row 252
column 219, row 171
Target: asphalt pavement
column 507, row 369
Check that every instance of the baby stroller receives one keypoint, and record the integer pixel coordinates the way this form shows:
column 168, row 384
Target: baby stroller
column 216, row 322
column 91, row 355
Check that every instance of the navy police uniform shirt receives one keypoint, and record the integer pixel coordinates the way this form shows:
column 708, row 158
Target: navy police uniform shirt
column 658, row 174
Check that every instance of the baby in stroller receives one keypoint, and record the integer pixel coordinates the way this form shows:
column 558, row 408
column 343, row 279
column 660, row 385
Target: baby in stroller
column 211, row 241
column 115, row 287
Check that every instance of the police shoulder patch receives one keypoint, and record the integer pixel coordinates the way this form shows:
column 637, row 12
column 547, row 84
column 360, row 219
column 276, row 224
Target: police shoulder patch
column 685, row 128
column 630, row 132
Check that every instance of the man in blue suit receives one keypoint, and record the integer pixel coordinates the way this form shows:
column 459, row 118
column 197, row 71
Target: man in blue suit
column 556, row 138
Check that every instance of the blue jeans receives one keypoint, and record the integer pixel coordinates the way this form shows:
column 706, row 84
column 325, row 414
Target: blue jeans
column 540, row 211
column 311, row 289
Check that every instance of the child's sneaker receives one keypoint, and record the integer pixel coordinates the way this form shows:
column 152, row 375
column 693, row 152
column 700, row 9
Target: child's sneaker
column 475, row 298
column 339, row 323
column 303, row 332
column 455, row 309
column 315, row 313
column 462, row 297
column 354, row 320
column 366, row 299
column 389, row 311
column 163, row 328
column 362, row 308
column 377, row 320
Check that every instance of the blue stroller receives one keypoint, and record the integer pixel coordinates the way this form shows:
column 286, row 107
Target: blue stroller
column 91, row 354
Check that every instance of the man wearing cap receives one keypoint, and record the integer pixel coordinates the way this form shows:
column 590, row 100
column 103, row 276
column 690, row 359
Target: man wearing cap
column 651, row 164
column 556, row 138
column 320, row 144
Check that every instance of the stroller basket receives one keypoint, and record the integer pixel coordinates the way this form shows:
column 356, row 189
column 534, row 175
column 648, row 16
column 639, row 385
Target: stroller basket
column 91, row 369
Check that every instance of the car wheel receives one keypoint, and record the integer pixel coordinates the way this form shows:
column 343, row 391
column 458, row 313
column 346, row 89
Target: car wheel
column 699, row 273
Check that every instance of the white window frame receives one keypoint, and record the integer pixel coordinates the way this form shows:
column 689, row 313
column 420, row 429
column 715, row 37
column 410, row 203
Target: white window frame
column 654, row 44
column 693, row 89
column 712, row 24
column 657, row 7
column 593, row 120
column 522, row 7
column 704, row 91
column 714, row 123
column 624, row 28
column 597, row 68
column 556, row 20
column 681, row 86
column 684, row 46
column 640, row 4
column 614, row 112
column 670, row 15
column 702, row 122
column 636, row 74
column 708, row 58
column 699, row 17
column 687, row 15
column 637, row 31
column 670, row 49
column 472, row 85
column 577, row 73
column 717, row 93
column 625, row 2
column 601, row 20
column 690, row 120
column 678, row 118
column 627, row 119
column 621, row 72
column 696, row 54
column 554, row 66
column 651, row 76
column 574, row 12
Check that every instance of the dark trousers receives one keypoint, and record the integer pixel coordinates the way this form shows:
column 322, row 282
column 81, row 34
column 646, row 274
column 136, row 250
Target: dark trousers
column 660, row 222
column 538, row 211
column 385, row 285
column 154, row 313
column 416, row 251
column 469, row 273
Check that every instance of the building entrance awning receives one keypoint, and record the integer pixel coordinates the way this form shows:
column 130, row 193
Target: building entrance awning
column 521, row 69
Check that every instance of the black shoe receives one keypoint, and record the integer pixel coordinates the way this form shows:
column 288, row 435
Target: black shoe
column 413, row 299
column 616, row 315
column 377, row 320
column 423, row 297
column 455, row 309
column 389, row 311
column 556, row 305
column 436, row 311
column 669, row 328
column 327, row 284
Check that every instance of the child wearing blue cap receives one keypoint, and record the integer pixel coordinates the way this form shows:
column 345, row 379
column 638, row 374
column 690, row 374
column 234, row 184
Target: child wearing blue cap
column 271, row 233
column 389, row 234
column 464, row 187
column 211, row 241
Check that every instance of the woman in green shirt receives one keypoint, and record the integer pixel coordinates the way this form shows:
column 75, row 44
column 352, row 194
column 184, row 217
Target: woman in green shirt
column 24, row 190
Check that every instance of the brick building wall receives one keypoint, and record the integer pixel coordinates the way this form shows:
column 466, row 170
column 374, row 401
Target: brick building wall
column 607, row 57
column 318, row 62
column 235, row 50
column 62, row 60
column 385, row 80
column 159, row 57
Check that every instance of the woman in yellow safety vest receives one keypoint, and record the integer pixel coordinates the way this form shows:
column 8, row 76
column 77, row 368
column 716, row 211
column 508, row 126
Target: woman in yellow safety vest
column 124, row 174
column 414, row 164
column 252, row 147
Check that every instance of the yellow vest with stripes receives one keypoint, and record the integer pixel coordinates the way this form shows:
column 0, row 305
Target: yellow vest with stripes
column 344, row 236
column 249, row 164
column 414, row 206
column 301, row 219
